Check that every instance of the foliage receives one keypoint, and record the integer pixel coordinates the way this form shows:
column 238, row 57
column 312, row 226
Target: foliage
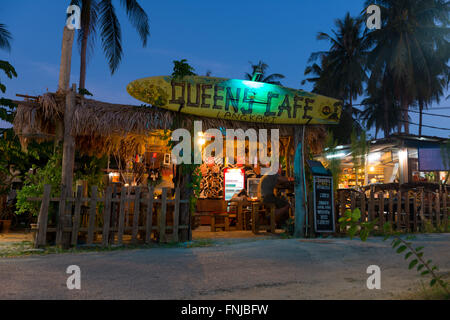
column 101, row 15
column 5, row 38
column 341, row 73
column 333, row 164
column 182, row 69
column 262, row 67
column 89, row 168
column 351, row 224
column 84, row 91
column 34, row 184
column 411, row 48
column 9, row 70
column 359, row 148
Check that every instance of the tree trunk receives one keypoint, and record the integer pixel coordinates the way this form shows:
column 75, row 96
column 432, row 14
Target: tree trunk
column 68, row 161
column 386, row 116
column 421, row 115
column 405, row 108
column 85, row 22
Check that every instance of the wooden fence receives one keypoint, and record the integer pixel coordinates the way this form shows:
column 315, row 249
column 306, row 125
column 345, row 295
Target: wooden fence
column 134, row 215
column 407, row 209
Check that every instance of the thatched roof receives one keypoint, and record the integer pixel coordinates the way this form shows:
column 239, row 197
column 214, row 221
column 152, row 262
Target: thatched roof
column 100, row 126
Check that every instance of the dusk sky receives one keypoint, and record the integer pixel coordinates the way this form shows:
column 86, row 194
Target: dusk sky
column 220, row 36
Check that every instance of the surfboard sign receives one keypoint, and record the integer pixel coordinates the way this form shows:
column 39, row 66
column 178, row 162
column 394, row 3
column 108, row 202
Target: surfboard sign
column 239, row 100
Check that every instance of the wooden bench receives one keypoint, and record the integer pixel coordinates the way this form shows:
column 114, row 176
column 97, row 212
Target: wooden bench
column 216, row 213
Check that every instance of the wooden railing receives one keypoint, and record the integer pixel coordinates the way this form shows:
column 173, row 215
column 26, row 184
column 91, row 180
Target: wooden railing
column 408, row 209
column 133, row 215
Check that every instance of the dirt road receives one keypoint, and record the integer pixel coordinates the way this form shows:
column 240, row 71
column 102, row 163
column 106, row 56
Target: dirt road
column 247, row 269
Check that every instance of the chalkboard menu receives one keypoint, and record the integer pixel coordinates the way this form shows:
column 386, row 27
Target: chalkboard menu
column 323, row 204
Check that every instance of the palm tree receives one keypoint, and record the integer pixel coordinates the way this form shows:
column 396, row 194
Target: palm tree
column 381, row 109
column 5, row 38
column 409, row 32
column 319, row 76
column 345, row 59
column 101, row 14
column 262, row 67
column 342, row 71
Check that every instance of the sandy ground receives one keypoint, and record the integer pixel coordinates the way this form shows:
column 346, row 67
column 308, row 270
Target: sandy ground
column 238, row 269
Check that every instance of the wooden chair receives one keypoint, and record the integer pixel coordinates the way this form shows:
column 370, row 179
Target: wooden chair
column 265, row 212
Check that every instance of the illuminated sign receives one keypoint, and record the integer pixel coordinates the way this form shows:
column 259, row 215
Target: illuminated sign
column 239, row 100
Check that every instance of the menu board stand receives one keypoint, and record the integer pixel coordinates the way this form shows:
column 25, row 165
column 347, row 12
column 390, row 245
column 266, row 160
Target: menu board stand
column 323, row 198
column 323, row 204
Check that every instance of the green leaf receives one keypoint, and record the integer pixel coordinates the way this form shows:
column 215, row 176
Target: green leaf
column 401, row 249
column 418, row 249
column 412, row 264
column 356, row 215
column 395, row 243
column 432, row 282
column 420, row 267
column 420, row 254
column 408, row 255
column 425, row 273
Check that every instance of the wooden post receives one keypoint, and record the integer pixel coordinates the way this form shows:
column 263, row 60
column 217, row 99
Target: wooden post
column 92, row 214
column 162, row 217
column 391, row 206
column 399, row 210
column 123, row 194
column 372, row 203
column 381, row 209
column 64, row 76
column 445, row 209
column 408, row 212
column 185, row 210
column 415, row 211
column 137, row 208
column 68, row 160
column 107, row 216
column 61, row 217
column 438, row 210
column 430, row 206
column 176, row 215
column 422, row 207
column 41, row 234
column 114, row 205
column 76, row 216
column 149, row 219
column 66, row 59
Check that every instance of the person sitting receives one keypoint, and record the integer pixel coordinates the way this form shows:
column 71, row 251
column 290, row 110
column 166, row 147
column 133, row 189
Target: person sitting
column 266, row 188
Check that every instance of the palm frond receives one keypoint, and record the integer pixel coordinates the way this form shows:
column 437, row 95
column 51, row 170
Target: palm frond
column 110, row 34
column 138, row 18
column 5, row 38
